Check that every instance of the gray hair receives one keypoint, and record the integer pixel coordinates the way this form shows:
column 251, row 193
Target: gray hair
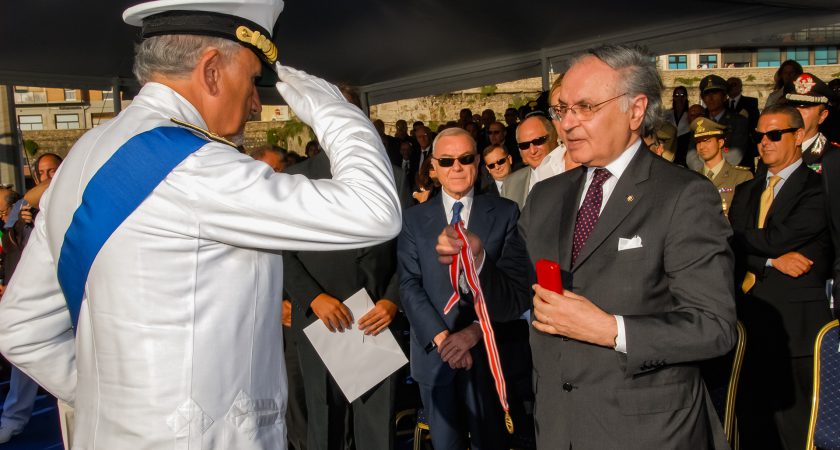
column 638, row 77
column 455, row 131
column 176, row 55
column 794, row 116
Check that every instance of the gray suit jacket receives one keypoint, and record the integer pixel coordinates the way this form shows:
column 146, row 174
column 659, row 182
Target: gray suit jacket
column 676, row 294
column 515, row 186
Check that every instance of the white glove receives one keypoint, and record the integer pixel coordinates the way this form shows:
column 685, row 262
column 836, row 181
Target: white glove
column 304, row 93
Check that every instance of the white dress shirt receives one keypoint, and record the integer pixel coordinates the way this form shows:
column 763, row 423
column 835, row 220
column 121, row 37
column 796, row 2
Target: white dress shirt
column 553, row 164
column 616, row 168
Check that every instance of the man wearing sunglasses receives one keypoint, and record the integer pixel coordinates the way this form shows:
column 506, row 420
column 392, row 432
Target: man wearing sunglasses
column 647, row 276
column 498, row 163
column 448, row 360
column 543, row 158
column 782, row 253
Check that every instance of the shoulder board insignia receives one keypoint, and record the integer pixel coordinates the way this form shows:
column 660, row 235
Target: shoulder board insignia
column 208, row 134
column 742, row 168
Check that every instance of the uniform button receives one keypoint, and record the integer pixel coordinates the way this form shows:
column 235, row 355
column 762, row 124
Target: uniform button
column 567, row 387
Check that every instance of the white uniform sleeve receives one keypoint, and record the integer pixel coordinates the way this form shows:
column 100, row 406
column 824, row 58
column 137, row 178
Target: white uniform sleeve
column 242, row 202
column 34, row 295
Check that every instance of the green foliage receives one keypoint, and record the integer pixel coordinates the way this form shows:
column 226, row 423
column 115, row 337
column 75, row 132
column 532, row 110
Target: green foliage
column 687, row 81
column 31, row 147
column 490, row 89
column 433, row 125
column 749, row 78
column 520, row 101
column 293, row 128
column 835, row 75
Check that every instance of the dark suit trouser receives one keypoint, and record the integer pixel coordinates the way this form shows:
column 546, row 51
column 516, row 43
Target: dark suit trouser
column 515, row 353
column 333, row 424
column 773, row 403
column 296, row 409
column 468, row 405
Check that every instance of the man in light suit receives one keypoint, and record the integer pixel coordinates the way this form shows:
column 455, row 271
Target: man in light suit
column 447, row 360
column 544, row 158
column 648, row 277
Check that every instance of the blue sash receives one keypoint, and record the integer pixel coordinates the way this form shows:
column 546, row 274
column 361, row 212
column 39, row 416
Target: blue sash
column 114, row 192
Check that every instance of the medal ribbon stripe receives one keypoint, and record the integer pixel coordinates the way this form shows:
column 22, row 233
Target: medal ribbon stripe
column 464, row 259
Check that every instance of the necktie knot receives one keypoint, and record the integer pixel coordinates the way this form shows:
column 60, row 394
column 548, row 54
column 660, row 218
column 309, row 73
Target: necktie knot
column 600, row 176
column 456, row 213
column 773, row 181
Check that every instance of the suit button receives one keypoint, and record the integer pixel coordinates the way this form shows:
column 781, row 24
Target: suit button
column 567, row 387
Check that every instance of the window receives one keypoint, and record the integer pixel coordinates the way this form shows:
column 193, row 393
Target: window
column 737, row 58
column 69, row 95
column 28, row 123
column 30, row 95
column 67, row 121
column 107, row 95
column 825, row 55
column 798, row 54
column 769, row 57
column 708, row 61
column 677, row 62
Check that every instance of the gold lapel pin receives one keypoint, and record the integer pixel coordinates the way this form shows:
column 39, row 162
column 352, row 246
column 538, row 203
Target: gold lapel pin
column 630, row 199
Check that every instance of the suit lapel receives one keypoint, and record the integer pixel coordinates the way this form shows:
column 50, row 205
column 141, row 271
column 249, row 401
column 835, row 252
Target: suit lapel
column 787, row 194
column 481, row 217
column 623, row 199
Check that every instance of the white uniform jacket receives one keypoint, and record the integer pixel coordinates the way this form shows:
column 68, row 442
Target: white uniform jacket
column 179, row 342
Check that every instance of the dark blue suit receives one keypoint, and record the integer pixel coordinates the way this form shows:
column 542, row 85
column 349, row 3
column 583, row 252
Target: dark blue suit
column 425, row 289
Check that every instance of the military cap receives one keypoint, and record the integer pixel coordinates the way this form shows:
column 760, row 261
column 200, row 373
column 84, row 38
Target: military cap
column 808, row 90
column 247, row 22
column 703, row 126
column 712, row 83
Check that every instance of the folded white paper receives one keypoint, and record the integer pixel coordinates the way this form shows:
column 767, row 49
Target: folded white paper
column 356, row 362
column 627, row 244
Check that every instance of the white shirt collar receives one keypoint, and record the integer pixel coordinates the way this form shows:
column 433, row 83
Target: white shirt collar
column 786, row 172
column 466, row 200
column 810, row 141
column 619, row 165
column 167, row 102
column 735, row 99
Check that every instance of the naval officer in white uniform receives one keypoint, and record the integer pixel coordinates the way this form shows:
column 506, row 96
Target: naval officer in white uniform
column 178, row 343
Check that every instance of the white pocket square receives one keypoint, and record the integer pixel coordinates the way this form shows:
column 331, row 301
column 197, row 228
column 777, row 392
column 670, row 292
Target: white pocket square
column 627, row 244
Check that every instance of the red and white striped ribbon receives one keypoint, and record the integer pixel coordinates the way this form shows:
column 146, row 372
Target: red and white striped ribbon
column 464, row 260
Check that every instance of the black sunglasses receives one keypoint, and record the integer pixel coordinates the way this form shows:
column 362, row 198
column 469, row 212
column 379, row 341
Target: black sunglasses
column 465, row 160
column 773, row 135
column 537, row 141
column 500, row 162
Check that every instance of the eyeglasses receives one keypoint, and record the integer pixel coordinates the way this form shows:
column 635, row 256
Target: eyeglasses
column 773, row 135
column 463, row 159
column 582, row 111
column 679, row 94
column 500, row 162
column 538, row 141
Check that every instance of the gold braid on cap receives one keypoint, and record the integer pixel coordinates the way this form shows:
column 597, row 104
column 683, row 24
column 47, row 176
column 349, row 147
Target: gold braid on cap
column 259, row 41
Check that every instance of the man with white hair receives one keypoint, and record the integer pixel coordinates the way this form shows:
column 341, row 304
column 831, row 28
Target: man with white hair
column 148, row 296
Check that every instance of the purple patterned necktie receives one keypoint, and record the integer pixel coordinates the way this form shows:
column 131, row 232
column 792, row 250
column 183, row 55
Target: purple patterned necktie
column 587, row 215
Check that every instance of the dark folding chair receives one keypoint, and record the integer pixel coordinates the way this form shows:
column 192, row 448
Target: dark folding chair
column 824, row 427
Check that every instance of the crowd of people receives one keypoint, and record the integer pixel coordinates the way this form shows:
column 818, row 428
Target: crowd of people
column 163, row 294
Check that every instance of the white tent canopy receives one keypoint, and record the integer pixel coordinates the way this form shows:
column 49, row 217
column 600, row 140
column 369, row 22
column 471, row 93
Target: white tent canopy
column 393, row 50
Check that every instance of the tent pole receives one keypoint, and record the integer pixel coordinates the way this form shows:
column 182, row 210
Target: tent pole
column 545, row 67
column 11, row 167
column 116, row 95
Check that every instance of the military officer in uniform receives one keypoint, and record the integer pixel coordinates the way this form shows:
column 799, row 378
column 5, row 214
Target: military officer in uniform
column 738, row 145
column 148, row 297
column 710, row 139
column 812, row 97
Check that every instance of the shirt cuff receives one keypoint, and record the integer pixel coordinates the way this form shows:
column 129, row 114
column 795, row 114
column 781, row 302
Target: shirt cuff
column 621, row 339
column 768, row 263
column 481, row 266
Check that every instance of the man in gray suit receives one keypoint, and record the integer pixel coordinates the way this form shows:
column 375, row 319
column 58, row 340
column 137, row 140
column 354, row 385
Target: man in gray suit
column 648, row 278
column 544, row 158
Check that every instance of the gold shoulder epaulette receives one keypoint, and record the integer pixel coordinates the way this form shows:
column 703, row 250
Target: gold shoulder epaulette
column 208, row 134
column 741, row 168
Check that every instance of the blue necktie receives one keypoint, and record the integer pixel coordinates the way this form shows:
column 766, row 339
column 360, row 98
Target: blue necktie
column 456, row 213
